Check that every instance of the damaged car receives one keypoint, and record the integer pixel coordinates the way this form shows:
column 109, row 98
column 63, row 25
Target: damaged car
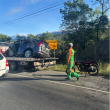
column 29, row 48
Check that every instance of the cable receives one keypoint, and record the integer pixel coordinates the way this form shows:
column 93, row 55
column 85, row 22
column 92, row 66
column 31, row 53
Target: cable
column 31, row 14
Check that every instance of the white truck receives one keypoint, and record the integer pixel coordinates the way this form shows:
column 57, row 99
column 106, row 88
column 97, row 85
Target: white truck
column 16, row 62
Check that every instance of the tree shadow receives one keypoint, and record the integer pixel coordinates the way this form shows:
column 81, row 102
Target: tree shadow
column 36, row 78
column 106, row 77
column 18, row 79
column 22, row 70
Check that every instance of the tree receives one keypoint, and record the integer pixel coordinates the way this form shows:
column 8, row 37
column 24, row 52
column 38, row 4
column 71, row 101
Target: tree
column 104, row 5
column 31, row 36
column 73, row 13
column 18, row 37
column 101, row 20
column 47, row 36
column 37, row 37
column 5, row 38
column 75, row 17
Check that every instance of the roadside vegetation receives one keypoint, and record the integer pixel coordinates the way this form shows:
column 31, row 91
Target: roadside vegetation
column 103, row 69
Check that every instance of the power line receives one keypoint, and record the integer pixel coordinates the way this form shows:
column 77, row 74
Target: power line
column 31, row 17
column 33, row 13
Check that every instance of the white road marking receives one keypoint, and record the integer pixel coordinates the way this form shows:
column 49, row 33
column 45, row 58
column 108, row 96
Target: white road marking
column 66, row 84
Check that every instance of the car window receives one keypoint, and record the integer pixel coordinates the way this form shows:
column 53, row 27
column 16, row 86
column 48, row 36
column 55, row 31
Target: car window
column 33, row 41
column 46, row 44
column 37, row 41
column 1, row 57
column 27, row 42
column 17, row 42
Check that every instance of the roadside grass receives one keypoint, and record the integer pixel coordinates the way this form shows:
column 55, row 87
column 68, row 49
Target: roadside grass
column 104, row 69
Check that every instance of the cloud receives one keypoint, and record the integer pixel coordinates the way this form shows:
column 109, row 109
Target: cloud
column 30, row 1
column 14, row 10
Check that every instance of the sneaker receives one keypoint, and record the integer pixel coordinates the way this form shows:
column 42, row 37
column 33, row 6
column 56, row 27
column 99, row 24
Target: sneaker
column 67, row 78
column 77, row 78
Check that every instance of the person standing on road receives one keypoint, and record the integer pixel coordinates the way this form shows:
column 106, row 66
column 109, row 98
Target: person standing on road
column 70, row 62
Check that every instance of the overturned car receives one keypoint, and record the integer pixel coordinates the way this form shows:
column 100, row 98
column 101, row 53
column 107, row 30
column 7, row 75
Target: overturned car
column 28, row 48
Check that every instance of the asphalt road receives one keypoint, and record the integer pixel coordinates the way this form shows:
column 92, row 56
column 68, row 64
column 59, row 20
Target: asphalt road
column 48, row 90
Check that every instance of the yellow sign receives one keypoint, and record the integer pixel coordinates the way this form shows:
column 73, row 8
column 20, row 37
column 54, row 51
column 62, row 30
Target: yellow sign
column 52, row 44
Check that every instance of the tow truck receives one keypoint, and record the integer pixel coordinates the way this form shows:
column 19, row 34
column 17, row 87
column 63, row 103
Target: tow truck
column 16, row 62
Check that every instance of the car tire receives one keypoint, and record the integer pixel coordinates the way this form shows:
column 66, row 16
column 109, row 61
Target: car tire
column 28, row 53
column 10, row 53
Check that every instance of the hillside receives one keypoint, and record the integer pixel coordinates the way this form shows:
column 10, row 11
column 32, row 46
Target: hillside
column 58, row 36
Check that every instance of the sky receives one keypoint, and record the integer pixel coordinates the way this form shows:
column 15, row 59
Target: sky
column 47, row 17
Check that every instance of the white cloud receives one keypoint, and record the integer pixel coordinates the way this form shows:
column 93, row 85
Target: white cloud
column 14, row 10
column 30, row 1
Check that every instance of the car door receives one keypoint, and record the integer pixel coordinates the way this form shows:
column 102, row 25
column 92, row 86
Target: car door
column 2, row 62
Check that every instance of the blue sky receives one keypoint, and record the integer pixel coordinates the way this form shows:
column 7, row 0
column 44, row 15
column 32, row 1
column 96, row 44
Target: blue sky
column 12, row 9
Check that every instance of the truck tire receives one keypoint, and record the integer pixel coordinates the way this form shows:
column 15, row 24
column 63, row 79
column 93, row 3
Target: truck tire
column 14, row 65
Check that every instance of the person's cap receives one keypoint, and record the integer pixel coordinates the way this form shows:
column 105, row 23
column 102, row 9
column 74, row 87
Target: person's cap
column 70, row 44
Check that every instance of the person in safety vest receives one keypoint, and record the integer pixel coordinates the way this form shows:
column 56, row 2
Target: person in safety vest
column 70, row 62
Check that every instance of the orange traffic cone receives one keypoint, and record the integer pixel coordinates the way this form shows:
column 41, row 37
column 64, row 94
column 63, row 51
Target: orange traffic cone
column 1, row 48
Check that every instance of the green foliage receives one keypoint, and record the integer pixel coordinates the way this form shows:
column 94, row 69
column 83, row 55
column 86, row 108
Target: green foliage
column 5, row 38
column 73, row 14
column 83, row 27
column 96, row 51
column 18, row 37
column 47, row 36
column 31, row 36
column 104, row 5
column 103, row 69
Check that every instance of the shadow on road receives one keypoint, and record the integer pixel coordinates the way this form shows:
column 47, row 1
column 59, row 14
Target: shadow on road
column 106, row 77
column 30, row 79
column 22, row 70
column 17, row 79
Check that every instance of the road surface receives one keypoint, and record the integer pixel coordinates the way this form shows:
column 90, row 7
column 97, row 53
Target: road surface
column 48, row 90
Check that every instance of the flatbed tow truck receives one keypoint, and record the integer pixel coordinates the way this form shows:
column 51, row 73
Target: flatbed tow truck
column 16, row 62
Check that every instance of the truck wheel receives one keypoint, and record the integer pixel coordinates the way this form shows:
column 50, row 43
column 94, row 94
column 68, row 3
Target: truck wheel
column 28, row 53
column 14, row 65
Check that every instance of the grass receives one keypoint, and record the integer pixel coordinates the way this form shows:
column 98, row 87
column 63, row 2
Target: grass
column 104, row 69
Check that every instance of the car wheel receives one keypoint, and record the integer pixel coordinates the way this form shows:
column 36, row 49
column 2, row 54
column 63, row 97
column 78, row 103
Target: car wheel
column 28, row 53
column 10, row 53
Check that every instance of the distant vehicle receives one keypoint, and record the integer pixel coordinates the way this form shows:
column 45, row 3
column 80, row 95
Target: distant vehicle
column 29, row 48
column 4, row 68
column 5, row 46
